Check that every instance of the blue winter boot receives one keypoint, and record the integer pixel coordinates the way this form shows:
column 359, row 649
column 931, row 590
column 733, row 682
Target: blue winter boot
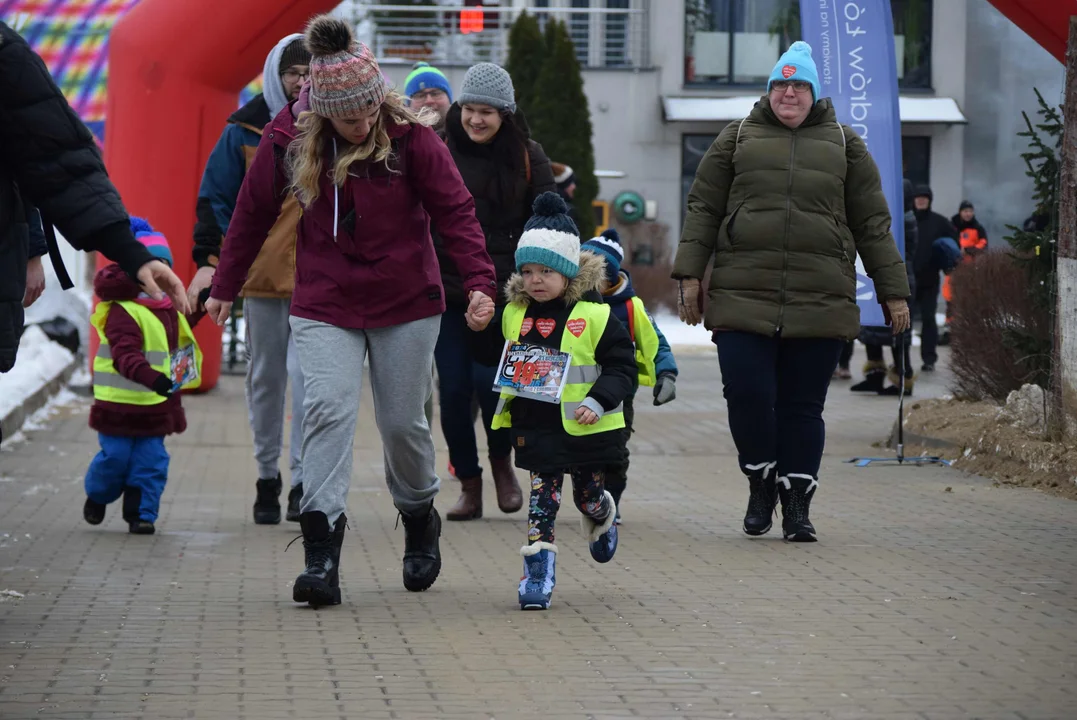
column 536, row 586
column 602, row 536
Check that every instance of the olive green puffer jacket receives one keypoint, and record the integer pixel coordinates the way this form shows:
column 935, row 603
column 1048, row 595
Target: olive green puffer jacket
column 784, row 213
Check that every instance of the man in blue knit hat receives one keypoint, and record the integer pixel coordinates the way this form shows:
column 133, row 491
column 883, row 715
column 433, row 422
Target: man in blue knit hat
column 654, row 358
column 426, row 86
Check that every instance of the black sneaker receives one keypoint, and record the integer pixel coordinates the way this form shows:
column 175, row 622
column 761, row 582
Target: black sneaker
column 319, row 584
column 762, row 498
column 141, row 527
column 267, row 502
column 295, row 499
column 927, row 367
column 796, row 492
column 422, row 553
column 93, row 512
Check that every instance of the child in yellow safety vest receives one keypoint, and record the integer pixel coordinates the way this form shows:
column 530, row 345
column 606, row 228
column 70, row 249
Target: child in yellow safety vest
column 654, row 358
column 138, row 371
column 565, row 367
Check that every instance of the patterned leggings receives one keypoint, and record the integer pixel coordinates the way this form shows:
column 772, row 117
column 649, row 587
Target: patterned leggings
column 587, row 493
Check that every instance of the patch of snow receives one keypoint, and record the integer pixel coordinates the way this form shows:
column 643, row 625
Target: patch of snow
column 43, row 487
column 10, row 442
column 39, row 361
column 63, row 399
column 679, row 334
column 72, row 305
column 81, row 377
column 6, row 595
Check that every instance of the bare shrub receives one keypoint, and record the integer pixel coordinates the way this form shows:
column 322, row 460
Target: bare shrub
column 994, row 328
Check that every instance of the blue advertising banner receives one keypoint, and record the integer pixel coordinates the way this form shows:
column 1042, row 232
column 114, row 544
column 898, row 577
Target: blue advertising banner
column 853, row 46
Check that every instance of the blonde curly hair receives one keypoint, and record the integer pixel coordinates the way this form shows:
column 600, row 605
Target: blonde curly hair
column 304, row 156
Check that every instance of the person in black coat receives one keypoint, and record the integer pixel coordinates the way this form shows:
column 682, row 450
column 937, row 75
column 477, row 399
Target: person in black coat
column 875, row 338
column 50, row 161
column 930, row 226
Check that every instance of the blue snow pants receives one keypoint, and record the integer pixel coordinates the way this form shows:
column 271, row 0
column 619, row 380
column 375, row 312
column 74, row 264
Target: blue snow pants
column 135, row 467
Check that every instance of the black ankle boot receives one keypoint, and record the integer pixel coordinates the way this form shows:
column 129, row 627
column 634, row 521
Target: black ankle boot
column 267, row 502
column 762, row 498
column 319, row 584
column 422, row 554
column 132, row 500
column 295, row 499
column 796, row 492
column 872, row 382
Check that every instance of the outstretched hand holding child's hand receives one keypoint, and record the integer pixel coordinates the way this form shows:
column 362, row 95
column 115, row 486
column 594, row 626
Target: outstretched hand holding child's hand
column 480, row 311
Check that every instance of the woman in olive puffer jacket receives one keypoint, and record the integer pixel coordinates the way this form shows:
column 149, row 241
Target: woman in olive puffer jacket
column 783, row 202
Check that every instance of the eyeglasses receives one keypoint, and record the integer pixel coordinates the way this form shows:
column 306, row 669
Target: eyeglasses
column 295, row 75
column 431, row 94
column 799, row 85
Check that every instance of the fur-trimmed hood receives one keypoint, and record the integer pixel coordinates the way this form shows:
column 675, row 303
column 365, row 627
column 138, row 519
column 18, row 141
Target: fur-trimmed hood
column 590, row 279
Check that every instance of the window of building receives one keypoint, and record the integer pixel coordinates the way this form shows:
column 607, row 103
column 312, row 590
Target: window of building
column 737, row 42
column 693, row 148
column 916, row 159
column 616, row 33
column 579, row 28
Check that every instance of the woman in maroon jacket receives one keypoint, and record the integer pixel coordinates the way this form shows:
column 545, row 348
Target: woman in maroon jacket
column 370, row 175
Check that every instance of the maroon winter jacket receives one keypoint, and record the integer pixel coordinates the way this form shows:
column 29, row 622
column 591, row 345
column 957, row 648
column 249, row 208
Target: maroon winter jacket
column 381, row 268
column 125, row 340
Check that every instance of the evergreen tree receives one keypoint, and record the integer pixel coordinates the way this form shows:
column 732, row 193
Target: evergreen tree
column 1037, row 249
column 527, row 51
column 561, row 120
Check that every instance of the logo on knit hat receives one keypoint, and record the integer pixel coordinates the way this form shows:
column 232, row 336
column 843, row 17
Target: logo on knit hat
column 788, row 71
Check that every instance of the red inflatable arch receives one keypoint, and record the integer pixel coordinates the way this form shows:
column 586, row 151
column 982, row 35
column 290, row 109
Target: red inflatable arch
column 176, row 68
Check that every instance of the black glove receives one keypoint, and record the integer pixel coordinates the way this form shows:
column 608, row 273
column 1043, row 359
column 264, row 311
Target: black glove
column 665, row 389
column 163, row 386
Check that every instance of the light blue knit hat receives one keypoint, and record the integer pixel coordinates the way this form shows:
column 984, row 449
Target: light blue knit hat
column 796, row 64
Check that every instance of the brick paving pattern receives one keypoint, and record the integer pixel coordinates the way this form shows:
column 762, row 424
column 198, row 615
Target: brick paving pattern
column 917, row 603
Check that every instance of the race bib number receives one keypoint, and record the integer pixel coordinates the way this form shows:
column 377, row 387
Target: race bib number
column 532, row 371
column 184, row 369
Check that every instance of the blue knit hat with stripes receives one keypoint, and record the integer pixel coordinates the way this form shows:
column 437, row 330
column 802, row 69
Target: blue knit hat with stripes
column 550, row 237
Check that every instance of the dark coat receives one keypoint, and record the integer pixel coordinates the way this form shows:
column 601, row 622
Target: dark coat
column 930, row 226
column 48, row 160
column 496, row 176
column 538, row 434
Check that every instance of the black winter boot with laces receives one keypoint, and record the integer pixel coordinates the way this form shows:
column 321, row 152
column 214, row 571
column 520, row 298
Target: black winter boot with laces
column 267, row 501
column 319, row 584
column 796, row 491
column 762, row 499
column 422, row 552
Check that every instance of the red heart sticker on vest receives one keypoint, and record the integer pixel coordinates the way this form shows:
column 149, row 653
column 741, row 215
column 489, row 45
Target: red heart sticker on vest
column 526, row 327
column 545, row 326
column 788, row 71
column 576, row 327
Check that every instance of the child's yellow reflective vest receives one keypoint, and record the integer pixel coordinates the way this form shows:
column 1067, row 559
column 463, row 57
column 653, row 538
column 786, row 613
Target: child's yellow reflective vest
column 582, row 371
column 645, row 338
column 109, row 385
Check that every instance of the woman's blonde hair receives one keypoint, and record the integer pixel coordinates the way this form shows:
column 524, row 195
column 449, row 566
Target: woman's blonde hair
column 305, row 153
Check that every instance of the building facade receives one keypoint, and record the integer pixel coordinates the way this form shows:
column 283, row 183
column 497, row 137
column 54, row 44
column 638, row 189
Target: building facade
column 663, row 77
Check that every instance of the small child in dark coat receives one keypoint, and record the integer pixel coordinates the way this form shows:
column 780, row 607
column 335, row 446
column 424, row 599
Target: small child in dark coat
column 556, row 314
column 136, row 398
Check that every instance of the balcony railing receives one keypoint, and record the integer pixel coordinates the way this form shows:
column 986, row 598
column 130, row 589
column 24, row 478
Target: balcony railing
column 458, row 35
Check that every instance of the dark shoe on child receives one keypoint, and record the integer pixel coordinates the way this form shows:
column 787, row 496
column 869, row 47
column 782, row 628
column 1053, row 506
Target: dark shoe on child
column 267, row 501
column 536, row 586
column 93, row 512
column 295, row 499
column 601, row 536
column 874, row 377
column 132, row 500
column 796, row 491
column 469, row 505
column 509, row 496
column 141, row 527
column 762, row 499
column 927, row 367
column 319, row 584
column 422, row 551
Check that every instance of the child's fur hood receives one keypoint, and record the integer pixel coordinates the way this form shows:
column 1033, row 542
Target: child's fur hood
column 591, row 278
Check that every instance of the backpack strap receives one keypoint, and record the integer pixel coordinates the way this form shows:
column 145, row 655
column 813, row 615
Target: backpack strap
column 741, row 127
column 631, row 320
column 841, row 129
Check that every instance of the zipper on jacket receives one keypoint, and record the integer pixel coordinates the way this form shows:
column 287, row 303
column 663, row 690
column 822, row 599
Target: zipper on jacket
column 785, row 239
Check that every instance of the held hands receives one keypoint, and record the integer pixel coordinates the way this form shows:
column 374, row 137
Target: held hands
column 218, row 310
column 156, row 276
column 586, row 416
column 689, row 302
column 201, row 280
column 480, row 311
column 896, row 314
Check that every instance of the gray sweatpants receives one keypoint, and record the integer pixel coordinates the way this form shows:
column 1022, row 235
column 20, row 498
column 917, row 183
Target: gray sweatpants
column 273, row 361
column 400, row 359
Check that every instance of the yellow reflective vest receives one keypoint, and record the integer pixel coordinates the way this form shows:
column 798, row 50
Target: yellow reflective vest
column 582, row 371
column 108, row 384
column 645, row 338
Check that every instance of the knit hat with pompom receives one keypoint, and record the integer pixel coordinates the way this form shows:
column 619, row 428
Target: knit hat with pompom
column 550, row 237
column 344, row 76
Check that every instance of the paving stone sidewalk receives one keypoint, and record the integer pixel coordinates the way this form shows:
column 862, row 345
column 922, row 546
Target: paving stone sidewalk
column 916, row 603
